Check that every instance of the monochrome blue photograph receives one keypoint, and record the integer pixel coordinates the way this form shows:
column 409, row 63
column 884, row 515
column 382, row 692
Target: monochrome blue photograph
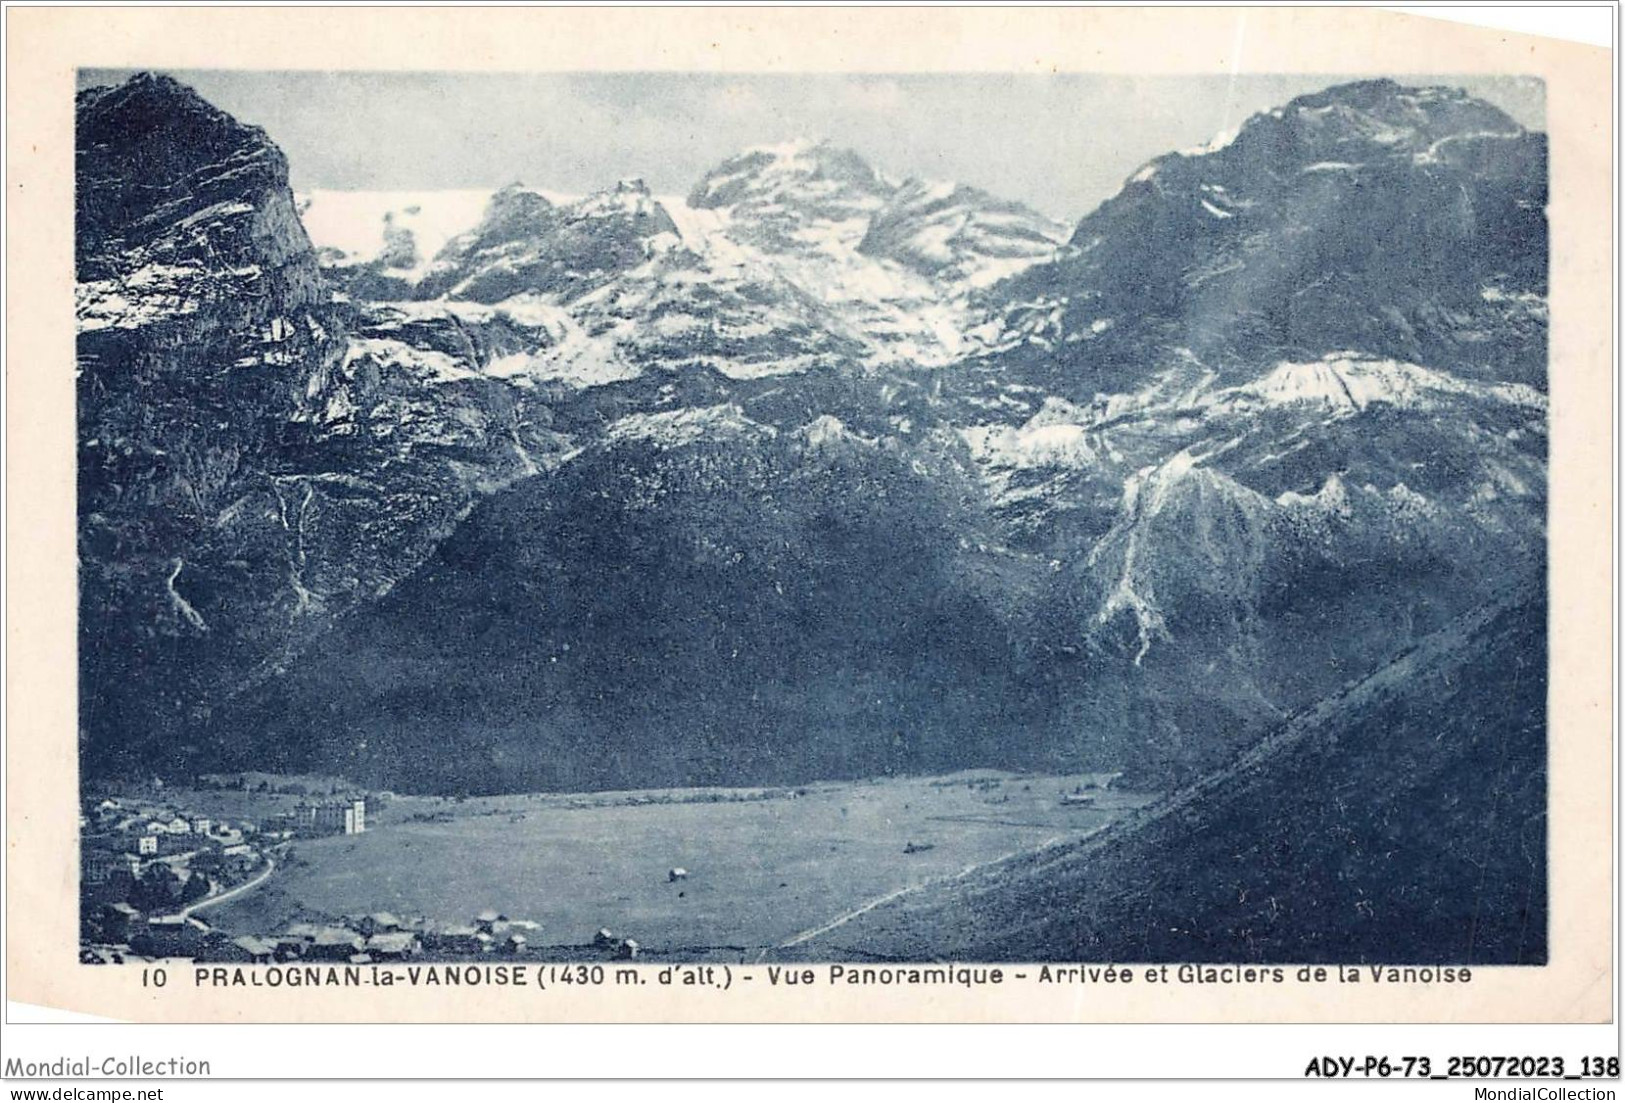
column 690, row 517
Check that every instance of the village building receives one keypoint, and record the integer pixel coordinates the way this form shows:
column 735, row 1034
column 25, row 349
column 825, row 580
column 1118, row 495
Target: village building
column 147, row 844
column 378, row 923
column 512, row 935
column 239, row 862
column 334, row 944
column 453, row 939
column 347, row 817
column 606, row 939
column 100, row 865
column 171, row 936
column 289, row 947
column 116, row 922
column 255, row 951
column 392, row 946
column 124, row 917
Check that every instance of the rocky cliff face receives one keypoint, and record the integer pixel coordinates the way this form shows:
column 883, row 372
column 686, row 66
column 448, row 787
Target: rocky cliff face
column 169, row 180
column 201, row 315
column 810, row 474
column 252, row 462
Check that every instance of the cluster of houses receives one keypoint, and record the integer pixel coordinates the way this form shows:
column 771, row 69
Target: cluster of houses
column 143, row 861
column 146, row 864
column 382, row 936
column 116, row 833
column 123, row 842
column 354, row 940
column 148, row 830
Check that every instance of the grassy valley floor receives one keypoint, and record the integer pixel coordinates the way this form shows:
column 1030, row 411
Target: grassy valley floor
column 765, row 867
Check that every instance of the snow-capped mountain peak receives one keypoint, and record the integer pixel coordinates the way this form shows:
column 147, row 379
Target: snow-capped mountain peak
column 785, row 195
column 799, row 171
column 961, row 232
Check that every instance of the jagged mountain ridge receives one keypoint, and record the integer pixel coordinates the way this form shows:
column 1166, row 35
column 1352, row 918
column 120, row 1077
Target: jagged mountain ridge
column 803, row 221
column 1140, row 527
column 1404, row 223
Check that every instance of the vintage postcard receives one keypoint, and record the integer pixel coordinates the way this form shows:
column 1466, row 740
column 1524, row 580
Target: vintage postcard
column 808, row 516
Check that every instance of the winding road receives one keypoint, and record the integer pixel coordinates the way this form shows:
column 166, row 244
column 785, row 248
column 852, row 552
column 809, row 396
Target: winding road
column 232, row 894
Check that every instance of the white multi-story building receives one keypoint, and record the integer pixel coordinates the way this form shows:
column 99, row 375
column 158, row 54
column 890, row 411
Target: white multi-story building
column 332, row 818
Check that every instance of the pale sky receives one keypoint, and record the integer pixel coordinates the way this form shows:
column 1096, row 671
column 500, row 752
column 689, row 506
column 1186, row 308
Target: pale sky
column 1061, row 143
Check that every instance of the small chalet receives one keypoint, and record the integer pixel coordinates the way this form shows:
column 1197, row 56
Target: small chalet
column 378, row 923
column 249, row 949
column 453, row 939
column 334, row 944
column 260, row 950
column 171, row 936
column 118, row 921
column 392, row 946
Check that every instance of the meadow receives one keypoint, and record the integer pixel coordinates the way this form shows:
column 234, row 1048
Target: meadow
column 764, row 866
